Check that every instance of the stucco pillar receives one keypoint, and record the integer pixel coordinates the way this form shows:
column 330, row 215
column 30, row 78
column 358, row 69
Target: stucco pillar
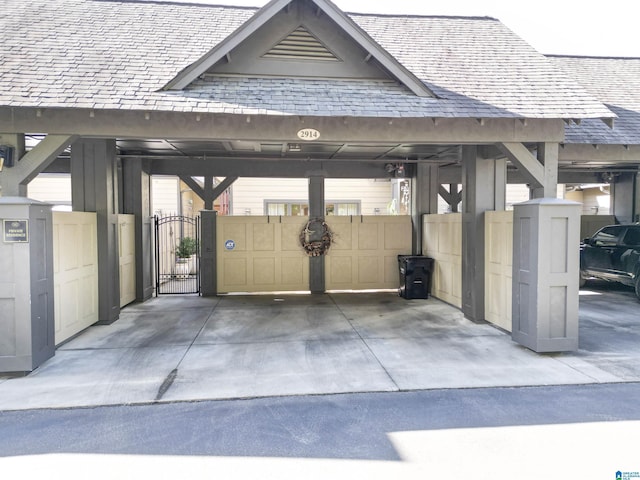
column 137, row 201
column 316, row 211
column 208, row 257
column 546, row 236
column 94, row 188
column 424, row 198
column 483, row 189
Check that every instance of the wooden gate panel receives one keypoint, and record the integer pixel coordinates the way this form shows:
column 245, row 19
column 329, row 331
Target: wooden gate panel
column 364, row 254
column 75, row 257
column 261, row 254
column 127, row 260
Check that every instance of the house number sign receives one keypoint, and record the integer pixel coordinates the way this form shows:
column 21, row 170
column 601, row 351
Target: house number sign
column 15, row 231
column 308, row 134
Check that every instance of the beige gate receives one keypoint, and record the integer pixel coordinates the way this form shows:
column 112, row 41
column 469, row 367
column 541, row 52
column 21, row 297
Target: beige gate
column 127, row 260
column 365, row 249
column 263, row 254
column 75, row 264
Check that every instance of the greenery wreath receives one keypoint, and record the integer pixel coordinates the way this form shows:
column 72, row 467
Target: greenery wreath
column 316, row 248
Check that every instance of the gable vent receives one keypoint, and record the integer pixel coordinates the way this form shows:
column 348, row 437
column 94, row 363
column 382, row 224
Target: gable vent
column 301, row 45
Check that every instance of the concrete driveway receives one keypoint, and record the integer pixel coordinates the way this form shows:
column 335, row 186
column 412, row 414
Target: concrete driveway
column 191, row 348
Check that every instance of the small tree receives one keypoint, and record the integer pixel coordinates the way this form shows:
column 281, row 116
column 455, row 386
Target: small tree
column 186, row 247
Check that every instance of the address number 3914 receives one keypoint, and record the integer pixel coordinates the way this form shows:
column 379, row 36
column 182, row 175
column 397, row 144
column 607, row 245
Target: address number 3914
column 308, row 134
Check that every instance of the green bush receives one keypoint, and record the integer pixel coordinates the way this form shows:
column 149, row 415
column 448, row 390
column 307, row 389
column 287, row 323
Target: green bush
column 186, row 247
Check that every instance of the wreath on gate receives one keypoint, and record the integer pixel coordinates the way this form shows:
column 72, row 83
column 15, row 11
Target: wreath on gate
column 316, row 248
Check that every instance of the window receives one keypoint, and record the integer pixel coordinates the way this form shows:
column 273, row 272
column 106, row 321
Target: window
column 607, row 237
column 295, row 209
column 342, row 208
column 287, row 209
column 632, row 237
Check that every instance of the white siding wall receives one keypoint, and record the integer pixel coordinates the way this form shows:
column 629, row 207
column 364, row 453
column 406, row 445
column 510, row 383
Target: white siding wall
column 516, row 193
column 249, row 194
column 594, row 200
column 51, row 188
column 56, row 189
column 372, row 194
column 164, row 194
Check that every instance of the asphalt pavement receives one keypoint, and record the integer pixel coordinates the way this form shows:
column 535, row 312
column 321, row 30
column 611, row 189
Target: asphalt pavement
column 578, row 431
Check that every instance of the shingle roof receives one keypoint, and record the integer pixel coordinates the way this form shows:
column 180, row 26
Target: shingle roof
column 105, row 54
column 616, row 83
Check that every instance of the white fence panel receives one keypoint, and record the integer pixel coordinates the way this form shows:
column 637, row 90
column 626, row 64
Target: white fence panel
column 75, row 257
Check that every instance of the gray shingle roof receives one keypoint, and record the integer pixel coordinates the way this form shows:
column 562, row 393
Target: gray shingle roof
column 616, row 83
column 107, row 54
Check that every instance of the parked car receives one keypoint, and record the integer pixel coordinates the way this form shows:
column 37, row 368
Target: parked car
column 613, row 254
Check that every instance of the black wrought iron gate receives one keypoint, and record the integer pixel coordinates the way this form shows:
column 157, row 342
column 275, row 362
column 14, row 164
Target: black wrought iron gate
column 177, row 254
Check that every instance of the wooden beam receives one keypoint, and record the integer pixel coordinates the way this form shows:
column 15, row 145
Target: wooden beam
column 271, row 128
column 222, row 186
column 452, row 198
column 548, row 157
column 208, row 184
column 193, row 185
column 14, row 181
column 522, row 158
column 265, row 168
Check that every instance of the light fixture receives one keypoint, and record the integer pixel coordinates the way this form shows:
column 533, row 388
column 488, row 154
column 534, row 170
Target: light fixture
column 608, row 177
column 6, row 155
column 294, row 147
column 396, row 170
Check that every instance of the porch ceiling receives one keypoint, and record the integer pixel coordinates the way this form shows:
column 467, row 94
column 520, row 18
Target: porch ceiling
column 389, row 151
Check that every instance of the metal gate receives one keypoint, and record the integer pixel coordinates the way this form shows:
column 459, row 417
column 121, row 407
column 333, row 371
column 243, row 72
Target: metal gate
column 177, row 254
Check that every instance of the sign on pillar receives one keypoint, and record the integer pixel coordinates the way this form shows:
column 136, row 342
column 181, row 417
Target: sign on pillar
column 546, row 271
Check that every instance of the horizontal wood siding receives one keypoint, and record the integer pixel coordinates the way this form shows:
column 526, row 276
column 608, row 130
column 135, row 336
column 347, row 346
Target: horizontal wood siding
column 164, row 194
column 250, row 194
column 51, row 188
column 371, row 194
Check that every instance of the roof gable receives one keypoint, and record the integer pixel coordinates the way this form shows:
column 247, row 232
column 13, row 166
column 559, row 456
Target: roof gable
column 301, row 44
column 300, row 38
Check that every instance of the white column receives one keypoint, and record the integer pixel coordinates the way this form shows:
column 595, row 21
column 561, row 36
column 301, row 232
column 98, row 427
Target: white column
column 546, row 263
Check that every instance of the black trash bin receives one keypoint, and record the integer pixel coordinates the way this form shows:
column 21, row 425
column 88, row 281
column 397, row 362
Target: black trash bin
column 415, row 276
